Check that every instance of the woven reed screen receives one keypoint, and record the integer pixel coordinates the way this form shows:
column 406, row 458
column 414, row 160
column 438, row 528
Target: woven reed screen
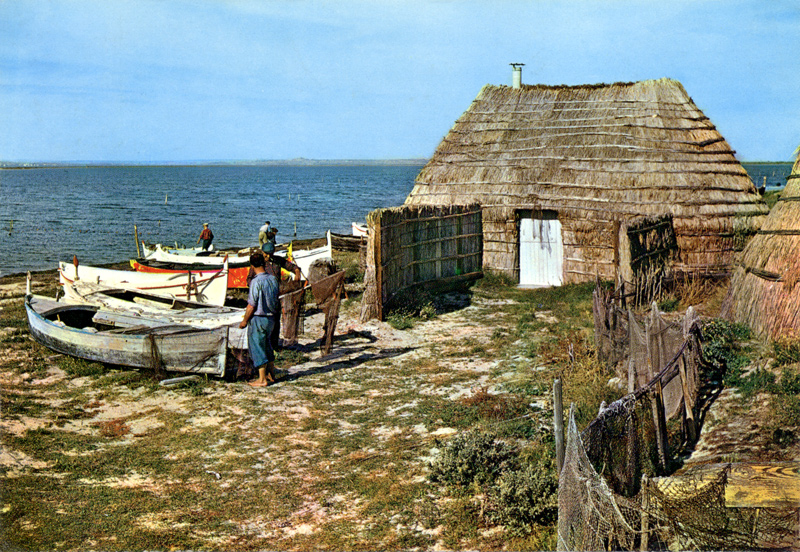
column 413, row 247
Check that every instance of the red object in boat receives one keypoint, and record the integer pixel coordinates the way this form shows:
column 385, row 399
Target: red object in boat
column 237, row 276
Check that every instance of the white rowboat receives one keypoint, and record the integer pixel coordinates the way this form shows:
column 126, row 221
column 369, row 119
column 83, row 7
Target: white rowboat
column 203, row 286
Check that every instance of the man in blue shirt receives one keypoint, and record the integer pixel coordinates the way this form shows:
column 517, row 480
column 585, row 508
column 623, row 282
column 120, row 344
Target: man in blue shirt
column 263, row 310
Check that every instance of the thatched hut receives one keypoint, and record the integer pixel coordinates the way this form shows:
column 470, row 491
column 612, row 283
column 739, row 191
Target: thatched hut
column 579, row 181
column 764, row 291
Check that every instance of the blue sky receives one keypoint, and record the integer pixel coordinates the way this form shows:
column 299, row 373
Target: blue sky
column 167, row 80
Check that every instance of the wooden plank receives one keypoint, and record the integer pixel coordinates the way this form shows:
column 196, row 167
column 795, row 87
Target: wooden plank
column 763, row 485
column 750, row 485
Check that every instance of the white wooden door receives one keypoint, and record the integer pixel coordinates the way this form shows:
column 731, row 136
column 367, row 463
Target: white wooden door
column 541, row 252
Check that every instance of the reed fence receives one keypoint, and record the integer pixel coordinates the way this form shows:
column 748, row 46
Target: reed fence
column 415, row 248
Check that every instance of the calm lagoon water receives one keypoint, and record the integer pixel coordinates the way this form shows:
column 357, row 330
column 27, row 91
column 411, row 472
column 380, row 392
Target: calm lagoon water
column 775, row 174
column 50, row 214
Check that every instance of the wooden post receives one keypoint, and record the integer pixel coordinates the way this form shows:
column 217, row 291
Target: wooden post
column 660, row 423
column 378, row 220
column 688, row 404
column 189, row 286
column 28, row 284
column 645, row 526
column 136, row 236
column 75, row 264
column 558, row 424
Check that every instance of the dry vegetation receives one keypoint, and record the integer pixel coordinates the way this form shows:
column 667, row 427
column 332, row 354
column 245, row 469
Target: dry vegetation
column 336, row 455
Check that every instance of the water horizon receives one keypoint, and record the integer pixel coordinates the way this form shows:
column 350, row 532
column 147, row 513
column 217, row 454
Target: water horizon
column 51, row 213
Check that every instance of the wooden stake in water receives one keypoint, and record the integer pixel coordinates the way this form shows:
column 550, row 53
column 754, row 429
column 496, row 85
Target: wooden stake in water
column 136, row 237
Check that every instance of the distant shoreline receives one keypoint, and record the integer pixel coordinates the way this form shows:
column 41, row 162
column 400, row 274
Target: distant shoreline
column 299, row 162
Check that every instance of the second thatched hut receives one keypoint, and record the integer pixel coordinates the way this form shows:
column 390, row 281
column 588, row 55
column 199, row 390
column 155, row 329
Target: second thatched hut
column 594, row 180
column 765, row 287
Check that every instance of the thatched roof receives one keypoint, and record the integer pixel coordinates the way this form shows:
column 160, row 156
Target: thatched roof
column 599, row 152
column 764, row 292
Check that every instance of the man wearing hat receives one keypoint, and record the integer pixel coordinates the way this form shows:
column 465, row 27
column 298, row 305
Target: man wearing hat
column 206, row 236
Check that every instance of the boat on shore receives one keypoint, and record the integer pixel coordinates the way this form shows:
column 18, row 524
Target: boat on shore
column 133, row 304
column 347, row 242
column 150, row 248
column 208, row 286
column 206, row 258
column 238, row 266
column 359, row 229
column 96, row 334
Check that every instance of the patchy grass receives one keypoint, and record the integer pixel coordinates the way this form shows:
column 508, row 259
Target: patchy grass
column 333, row 457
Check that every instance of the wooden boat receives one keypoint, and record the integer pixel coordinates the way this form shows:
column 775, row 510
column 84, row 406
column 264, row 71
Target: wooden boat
column 149, row 248
column 359, row 229
column 237, row 273
column 347, row 242
column 92, row 333
column 207, row 258
column 133, row 304
column 204, row 286
column 304, row 258
column 237, row 268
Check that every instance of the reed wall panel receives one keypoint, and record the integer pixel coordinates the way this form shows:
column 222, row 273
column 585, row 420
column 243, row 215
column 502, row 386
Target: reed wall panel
column 413, row 246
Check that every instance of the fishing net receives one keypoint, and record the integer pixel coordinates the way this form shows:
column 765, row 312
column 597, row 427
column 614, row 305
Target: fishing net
column 691, row 513
column 293, row 295
column 609, row 497
column 590, row 515
column 688, row 512
column 327, row 294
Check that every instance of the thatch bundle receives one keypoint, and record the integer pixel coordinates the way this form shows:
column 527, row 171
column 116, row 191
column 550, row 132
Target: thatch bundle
column 764, row 293
column 600, row 156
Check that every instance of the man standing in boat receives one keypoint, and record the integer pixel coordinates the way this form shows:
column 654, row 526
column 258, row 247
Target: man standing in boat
column 262, row 233
column 260, row 317
column 206, row 236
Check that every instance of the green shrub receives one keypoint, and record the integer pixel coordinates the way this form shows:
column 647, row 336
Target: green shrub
column 757, row 381
column 400, row 320
column 786, row 350
column 493, row 279
column 669, row 304
column 472, row 457
column 525, row 498
column 722, row 347
column 786, row 401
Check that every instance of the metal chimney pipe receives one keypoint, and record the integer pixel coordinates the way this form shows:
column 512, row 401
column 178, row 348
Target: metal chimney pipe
column 516, row 74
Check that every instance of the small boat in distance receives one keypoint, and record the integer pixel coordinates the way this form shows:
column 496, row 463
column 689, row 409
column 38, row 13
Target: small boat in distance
column 359, row 229
column 204, row 286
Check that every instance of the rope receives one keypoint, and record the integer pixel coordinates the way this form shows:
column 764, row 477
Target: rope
column 790, row 198
column 764, row 274
column 780, row 232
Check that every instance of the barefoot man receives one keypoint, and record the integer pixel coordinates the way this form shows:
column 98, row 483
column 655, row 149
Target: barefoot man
column 263, row 308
